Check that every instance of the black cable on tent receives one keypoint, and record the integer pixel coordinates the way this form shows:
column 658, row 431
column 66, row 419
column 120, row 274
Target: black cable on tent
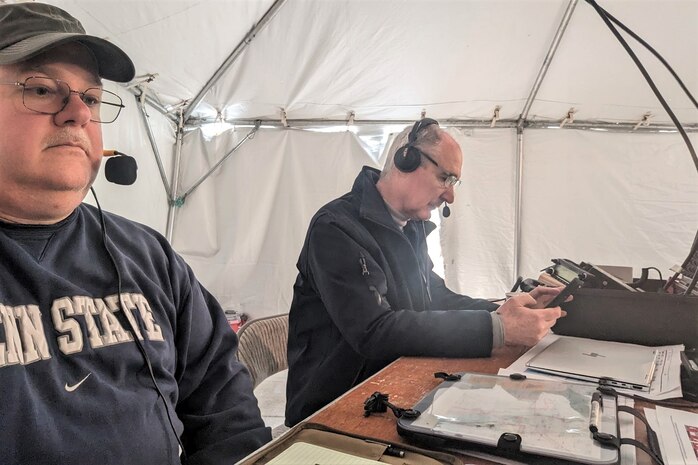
column 654, row 52
column 607, row 18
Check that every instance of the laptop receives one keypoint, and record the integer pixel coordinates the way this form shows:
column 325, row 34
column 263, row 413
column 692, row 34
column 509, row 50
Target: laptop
column 615, row 364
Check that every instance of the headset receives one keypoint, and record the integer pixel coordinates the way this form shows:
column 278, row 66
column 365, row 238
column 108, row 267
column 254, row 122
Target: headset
column 408, row 157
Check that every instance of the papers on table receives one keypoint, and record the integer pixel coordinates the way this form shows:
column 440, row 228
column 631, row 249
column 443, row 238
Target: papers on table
column 677, row 431
column 666, row 382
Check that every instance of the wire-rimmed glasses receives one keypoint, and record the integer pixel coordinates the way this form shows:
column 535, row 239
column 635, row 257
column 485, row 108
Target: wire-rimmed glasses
column 50, row 96
column 448, row 180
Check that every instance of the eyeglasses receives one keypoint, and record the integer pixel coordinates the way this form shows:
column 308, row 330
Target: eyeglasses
column 448, row 180
column 50, row 96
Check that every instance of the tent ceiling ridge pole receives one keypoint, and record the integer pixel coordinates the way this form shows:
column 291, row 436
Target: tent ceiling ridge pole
column 232, row 58
column 249, row 136
column 154, row 145
column 548, row 59
column 172, row 211
column 611, row 127
column 578, row 124
column 336, row 122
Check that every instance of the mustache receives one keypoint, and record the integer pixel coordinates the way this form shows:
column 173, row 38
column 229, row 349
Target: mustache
column 67, row 137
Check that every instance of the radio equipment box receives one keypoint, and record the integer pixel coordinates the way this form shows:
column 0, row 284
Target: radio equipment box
column 646, row 318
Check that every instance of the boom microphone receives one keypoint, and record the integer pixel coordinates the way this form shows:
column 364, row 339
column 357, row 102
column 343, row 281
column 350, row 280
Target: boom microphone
column 120, row 168
column 446, row 211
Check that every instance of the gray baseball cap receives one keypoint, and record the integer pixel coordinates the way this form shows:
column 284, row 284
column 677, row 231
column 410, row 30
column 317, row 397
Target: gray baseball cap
column 28, row 29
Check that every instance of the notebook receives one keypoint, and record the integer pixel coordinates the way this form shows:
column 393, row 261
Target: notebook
column 303, row 453
column 615, row 364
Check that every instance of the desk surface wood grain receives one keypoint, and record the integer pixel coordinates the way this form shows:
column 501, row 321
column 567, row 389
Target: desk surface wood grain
column 406, row 381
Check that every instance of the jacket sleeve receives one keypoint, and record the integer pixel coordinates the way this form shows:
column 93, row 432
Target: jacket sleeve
column 353, row 288
column 445, row 298
column 221, row 418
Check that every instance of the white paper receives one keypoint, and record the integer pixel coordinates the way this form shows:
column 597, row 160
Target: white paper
column 678, row 435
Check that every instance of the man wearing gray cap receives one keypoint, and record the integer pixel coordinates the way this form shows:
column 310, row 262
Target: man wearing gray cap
column 111, row 351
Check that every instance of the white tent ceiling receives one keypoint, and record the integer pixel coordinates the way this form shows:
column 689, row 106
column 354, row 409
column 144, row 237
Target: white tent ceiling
column 391, row 59
column 319, row 61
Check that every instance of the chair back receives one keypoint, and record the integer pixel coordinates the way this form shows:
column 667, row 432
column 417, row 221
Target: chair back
column 262, row 346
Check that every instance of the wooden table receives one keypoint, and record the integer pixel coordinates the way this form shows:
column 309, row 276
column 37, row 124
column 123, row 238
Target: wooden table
column 407, row 380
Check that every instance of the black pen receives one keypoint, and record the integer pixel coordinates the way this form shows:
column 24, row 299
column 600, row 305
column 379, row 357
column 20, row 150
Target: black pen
column 394, row 452
column 389, row 449
column 596, row 404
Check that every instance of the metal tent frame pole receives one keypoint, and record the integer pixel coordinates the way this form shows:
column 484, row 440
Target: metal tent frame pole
column 249, row 136
column 172, row 210
column 577, row 124
column 173, row 200
column 153, row 144
column 232, row 58
column 176, row 202
column 520, row 129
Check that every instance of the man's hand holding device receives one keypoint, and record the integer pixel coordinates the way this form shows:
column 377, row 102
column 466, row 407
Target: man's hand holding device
column 527, row 318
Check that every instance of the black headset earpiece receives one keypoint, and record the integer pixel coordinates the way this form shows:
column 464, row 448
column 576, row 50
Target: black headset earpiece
column 408, row 157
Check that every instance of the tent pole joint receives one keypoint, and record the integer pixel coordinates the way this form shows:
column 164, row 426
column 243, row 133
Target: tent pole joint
column 178, row 202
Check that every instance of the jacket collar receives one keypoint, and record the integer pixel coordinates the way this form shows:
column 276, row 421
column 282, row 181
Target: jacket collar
column 371, row 204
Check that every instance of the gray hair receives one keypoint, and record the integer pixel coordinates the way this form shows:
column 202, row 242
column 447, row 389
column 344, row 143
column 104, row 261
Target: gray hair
column 427, row 137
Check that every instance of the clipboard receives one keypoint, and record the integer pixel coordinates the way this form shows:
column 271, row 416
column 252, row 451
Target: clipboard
column 518, row 418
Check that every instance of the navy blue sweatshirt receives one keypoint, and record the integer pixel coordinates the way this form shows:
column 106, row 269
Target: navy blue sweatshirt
column 74, row 387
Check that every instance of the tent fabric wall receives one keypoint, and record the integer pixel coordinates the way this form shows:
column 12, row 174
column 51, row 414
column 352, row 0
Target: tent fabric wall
column 624, row 199
column 242, row 229
column 600, row 197
column 608, row 198
column 478, row 238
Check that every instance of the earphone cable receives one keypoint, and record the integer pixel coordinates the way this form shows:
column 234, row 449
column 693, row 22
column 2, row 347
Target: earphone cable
column 139, row 344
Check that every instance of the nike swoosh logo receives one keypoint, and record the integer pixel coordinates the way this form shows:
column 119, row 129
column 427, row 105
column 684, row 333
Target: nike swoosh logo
column 75, row 386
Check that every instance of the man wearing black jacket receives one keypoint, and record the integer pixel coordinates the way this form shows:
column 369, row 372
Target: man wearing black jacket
column 366, row 293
